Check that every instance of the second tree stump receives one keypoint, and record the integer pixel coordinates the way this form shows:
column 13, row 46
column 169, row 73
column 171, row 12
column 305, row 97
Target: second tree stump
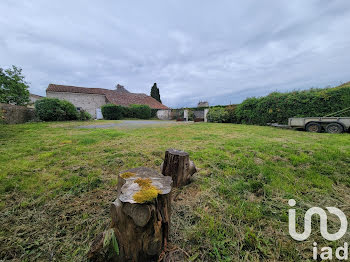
column 178, row 165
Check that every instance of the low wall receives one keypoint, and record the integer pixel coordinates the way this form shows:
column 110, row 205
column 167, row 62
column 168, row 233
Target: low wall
column 164, row 114
column 11, row 114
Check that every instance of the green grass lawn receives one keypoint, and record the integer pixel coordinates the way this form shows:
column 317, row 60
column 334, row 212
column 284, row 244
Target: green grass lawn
column 56, row 183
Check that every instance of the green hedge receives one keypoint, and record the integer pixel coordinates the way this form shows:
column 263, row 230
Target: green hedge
column 222, row 114
column 154, row 113
column 114, row 112
column 231, row 114
column 278, row 107
column 217, row 115
column 140, row 111
column 53, row 109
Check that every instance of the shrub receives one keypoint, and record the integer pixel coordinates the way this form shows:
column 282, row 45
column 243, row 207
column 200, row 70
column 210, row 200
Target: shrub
column 70, row 111
column 278, row 107
column 231, row 111
column 154, row 113
column 53, row 109
column 218, row 115
column 83, row 115
column 112, row 112
column 127, row 113
column 140, row 111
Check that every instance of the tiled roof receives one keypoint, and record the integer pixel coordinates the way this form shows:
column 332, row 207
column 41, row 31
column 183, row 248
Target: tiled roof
column 35, row 96
column 120, row 96
column 75, row 89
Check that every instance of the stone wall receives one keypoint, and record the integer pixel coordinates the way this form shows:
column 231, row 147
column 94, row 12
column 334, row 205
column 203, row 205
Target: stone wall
column 87, row 102
column 12, row 114
column 164, row 114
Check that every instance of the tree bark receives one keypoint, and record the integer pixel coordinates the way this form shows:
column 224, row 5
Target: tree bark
column 178, row 165
column 140, row 217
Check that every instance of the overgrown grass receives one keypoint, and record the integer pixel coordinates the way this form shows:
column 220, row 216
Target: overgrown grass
column 56, row 182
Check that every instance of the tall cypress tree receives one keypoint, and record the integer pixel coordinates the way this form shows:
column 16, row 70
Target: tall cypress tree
column 155, row 92
column 158, row 95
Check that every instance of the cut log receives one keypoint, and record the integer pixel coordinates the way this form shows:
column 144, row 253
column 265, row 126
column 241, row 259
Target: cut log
column 140, row 216
column 177, row 164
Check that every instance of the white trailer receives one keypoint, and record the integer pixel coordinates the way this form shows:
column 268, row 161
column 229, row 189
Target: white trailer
column 334, row 125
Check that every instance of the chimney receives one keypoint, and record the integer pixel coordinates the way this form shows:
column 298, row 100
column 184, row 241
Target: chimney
column 120, row 88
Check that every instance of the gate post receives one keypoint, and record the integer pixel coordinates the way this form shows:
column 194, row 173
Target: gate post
column 206, row 110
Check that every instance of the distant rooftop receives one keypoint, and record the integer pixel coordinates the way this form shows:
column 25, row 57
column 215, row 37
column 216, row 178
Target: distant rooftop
column 35, row 96
column 203, row 104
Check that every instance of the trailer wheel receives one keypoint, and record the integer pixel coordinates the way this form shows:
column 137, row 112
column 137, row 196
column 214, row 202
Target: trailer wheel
column 334, row 128
column 313, row 127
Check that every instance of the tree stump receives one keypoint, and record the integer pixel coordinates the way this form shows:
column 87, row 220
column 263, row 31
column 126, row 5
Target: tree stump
column 140, row 218
column 177, row 164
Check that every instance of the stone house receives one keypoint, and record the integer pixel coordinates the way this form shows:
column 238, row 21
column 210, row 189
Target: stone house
column 92, row 99
column 33, row 98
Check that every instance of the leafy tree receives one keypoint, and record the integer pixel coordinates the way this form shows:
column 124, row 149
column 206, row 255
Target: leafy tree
column 155, row 92
column 13, row 88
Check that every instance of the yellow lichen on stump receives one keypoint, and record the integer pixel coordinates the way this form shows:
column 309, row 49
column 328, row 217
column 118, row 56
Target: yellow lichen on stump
column 147, row 191
column 144, row 182
column 127, row 175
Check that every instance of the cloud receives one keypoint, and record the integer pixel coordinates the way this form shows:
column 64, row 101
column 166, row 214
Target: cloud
column 195, row 50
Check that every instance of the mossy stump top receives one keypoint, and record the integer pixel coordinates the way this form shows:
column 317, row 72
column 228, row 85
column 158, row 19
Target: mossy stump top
column 142, row 184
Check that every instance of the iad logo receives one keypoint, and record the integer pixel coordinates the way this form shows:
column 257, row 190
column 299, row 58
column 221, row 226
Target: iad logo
column 323, row 221
column 326, row 251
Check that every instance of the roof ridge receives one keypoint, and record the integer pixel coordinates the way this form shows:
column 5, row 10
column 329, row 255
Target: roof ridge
column 80, row 87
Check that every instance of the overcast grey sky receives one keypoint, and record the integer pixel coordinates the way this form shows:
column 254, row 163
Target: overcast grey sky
column 220, row 51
